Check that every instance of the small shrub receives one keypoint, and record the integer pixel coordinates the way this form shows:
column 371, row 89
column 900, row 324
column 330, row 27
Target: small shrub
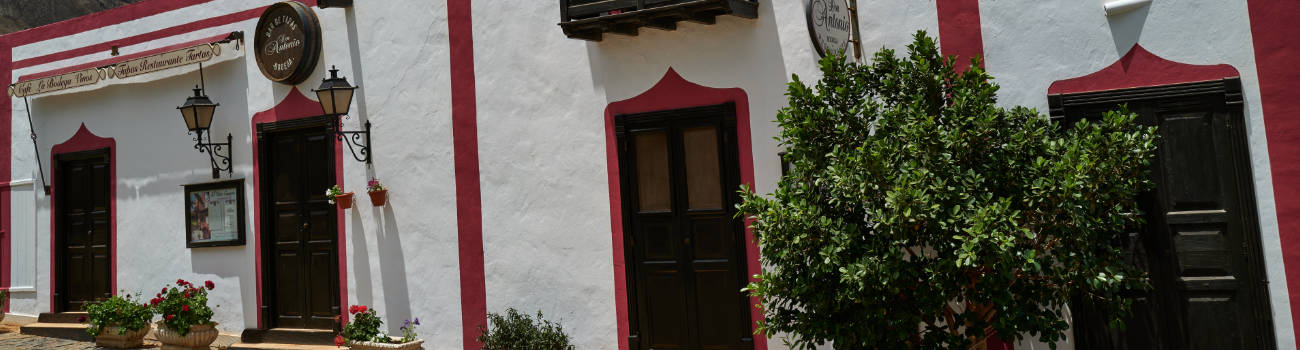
column 365, row 328
column 128, row 313
column 184, row 305
column 518, row 331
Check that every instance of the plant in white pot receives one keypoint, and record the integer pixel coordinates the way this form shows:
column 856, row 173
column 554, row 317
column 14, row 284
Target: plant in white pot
column 186, row 318
column 363, row 332
column 118, row 322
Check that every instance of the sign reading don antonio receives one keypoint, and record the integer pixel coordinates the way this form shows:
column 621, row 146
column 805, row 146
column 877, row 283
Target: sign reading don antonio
column 287, row 42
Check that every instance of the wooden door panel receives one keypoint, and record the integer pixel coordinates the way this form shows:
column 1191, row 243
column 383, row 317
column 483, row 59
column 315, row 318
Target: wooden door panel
column 679, row 174
column 665, row 306
column 1200, row 243
column 300, row 164
column 83, row 229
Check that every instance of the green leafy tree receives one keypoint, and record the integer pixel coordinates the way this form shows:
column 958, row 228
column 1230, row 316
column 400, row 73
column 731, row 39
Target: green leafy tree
column 917, row 213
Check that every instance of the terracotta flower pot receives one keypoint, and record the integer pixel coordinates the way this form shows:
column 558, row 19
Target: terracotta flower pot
column 109, row 338
column 198, row 338
column 378, row 198
column 344, row 200
column 365, row 345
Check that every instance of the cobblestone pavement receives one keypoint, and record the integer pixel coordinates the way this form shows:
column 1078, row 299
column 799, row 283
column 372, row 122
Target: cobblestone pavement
column 15, row 341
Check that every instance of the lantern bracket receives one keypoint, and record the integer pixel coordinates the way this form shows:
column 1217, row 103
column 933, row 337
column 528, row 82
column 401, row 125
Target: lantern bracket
column 214, row 150
column 358, row 141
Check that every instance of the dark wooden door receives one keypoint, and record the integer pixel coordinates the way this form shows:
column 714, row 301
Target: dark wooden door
column 301, row 233
column 1200, row 245
column 684, row 249
column 82, row 229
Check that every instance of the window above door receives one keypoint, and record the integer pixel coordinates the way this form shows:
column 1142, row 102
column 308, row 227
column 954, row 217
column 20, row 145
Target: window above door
column 591, row 19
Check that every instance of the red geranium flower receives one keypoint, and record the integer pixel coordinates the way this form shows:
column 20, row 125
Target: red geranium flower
column 209, row 284
column 362, row 308
column 81, row 319
column 185, row 308
column 170, row 317
column 352, row 309
column 164, row 290
column 338, row 340
column 180, row 281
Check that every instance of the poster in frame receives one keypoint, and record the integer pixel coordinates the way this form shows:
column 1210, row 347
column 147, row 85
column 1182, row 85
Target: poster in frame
column 214, row 214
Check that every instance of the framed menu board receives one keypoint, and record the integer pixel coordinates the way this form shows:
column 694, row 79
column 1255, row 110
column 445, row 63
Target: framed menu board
column 214, row 214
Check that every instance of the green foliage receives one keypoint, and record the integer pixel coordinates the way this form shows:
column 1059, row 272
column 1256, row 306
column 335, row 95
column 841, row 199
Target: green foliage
column 4, row 298
column 519, row 331
column 917, row 213
column 183, row 305
column 365, row 328
column 127, row 313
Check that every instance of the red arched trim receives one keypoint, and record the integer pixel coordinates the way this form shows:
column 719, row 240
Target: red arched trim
column 84, row 140
column 1141, row 68
column 294, row 106
column 674, row 92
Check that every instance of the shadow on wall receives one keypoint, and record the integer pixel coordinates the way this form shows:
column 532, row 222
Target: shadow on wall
column 1126, row 28
column 392, row 268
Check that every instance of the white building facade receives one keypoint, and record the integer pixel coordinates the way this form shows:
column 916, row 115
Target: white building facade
column 589, row 179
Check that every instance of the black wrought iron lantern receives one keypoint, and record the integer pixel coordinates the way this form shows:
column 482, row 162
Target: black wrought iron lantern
column 335, row 95
column 197, row 113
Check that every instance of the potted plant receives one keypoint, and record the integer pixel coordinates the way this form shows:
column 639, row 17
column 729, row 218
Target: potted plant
column 378, row 194
column 4, row 302
column 519, row 331
column 363, row 332
column 336, row 195
column 187, row 319
column 118, row 322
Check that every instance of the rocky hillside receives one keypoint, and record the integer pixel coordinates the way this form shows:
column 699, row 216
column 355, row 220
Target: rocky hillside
column 17, row 15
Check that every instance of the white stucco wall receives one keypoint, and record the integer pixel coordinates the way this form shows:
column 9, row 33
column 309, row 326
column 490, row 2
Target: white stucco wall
column 540, row 100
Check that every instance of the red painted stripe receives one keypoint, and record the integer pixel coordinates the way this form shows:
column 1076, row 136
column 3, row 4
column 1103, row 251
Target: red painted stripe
column 464, row 134
column 105, row 47
column 1272, row 24
column 123, row 58
column 959, row 31
column 98, row 19
column 6, row 162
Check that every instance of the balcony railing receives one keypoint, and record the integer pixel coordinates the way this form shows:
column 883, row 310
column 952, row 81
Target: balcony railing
column 591, row 19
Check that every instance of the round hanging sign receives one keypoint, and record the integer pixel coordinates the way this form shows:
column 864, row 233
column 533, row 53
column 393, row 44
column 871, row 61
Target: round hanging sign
column 287, row 42
column 829, row 25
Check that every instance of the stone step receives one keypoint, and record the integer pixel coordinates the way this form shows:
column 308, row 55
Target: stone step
column 288, row 336
column 60, row 317
column 70, row 331
column 281, row 346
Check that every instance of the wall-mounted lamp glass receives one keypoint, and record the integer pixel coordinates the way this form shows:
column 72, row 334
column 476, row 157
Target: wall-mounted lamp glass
column 335, row 96
column 197, row 113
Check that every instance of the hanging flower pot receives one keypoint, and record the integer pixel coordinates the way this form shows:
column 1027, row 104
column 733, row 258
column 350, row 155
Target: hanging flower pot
column 378, row 193
column 378, row 198
column 344, row 200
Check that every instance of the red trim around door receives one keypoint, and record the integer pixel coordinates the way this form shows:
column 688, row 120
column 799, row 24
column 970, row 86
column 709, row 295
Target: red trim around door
column 294, row 106
column 1141, row 68
column 674, row 92
column 1273, row 27
column 469, row 207
column 84, row 140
